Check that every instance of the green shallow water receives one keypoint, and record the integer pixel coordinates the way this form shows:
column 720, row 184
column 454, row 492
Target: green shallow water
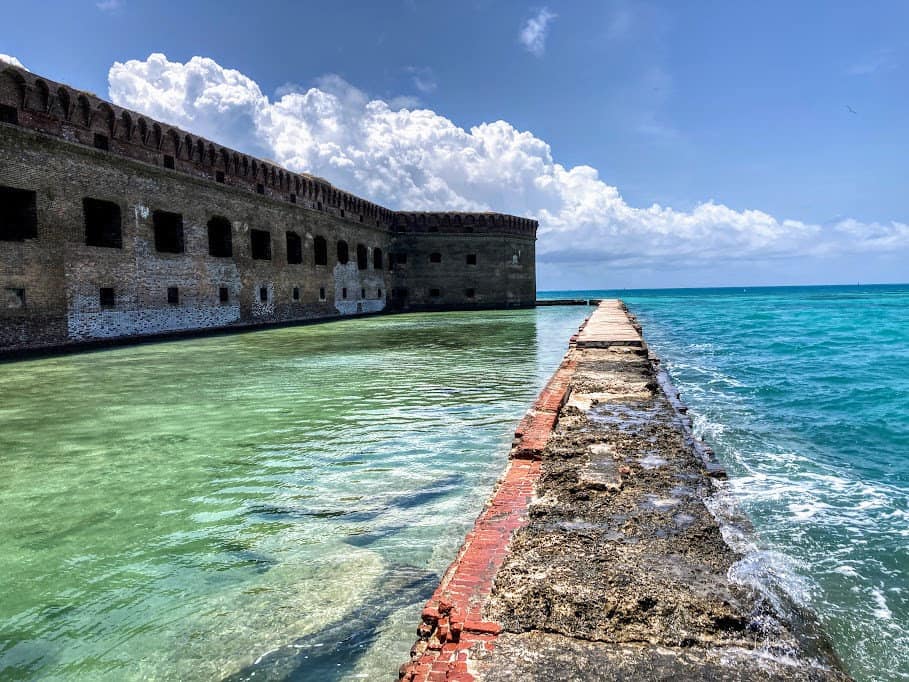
column 277, row 502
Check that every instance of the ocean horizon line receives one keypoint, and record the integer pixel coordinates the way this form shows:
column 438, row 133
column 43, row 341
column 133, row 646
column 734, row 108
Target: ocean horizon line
column 725, row 288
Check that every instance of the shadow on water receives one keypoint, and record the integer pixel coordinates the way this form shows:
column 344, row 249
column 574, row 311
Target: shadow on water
column 443, row 487
column 333, row 652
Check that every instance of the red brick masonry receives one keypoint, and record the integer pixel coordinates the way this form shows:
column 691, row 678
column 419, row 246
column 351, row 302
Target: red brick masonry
column 452, row 620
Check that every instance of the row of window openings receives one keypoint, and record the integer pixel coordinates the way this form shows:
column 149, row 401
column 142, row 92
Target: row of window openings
column 437, row 293
column 18, row 221
column 401, row 258
column 107, row 297
column 400, row 293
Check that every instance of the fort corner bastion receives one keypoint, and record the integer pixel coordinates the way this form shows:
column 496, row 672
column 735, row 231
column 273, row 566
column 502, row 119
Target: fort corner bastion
column 115, row 226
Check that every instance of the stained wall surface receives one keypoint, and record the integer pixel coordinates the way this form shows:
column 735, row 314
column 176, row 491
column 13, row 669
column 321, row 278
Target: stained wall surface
column 114, row 225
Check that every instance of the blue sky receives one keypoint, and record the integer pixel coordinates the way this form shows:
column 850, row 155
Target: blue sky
column 732, row 117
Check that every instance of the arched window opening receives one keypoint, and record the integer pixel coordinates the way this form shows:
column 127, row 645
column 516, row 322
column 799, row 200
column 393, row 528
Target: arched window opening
column 220, row 241
column 320, row 251
column 362, row 257
column 343, row 252
column 377, row 258
column 294, row 248
column 63, row 101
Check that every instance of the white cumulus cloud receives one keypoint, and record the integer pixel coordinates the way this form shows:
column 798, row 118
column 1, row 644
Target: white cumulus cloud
column 417, row 159
column 9, row 59
column 535, row 30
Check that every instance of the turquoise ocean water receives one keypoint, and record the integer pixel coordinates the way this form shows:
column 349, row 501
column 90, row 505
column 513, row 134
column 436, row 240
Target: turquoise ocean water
column 804, row 394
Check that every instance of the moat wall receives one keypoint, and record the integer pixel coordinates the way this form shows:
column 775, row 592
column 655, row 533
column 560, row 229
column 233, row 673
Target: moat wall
column 113, row 225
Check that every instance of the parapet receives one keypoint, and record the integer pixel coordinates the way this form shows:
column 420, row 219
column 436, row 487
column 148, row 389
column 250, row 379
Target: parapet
column 464, row 223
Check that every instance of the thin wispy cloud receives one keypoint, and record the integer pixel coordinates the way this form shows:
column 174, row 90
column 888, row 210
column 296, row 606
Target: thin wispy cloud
column 423, row 79
column 620, row 23
column 535, row 31
column 881, row 60
column 109, row 5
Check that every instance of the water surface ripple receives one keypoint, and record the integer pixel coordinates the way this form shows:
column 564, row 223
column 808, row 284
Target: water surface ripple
column 267, row 505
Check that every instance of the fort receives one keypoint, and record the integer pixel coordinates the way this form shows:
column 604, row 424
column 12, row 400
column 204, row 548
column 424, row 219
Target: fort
column 117, row 226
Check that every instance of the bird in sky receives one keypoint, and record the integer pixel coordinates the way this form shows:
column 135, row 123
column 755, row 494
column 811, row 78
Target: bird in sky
column 850, row 109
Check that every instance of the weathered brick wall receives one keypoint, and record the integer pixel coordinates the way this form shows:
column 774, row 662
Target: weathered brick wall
column 62, row 276
column 464, row 260
column 66, row 146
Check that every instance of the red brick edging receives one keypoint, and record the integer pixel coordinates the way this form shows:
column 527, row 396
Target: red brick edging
column 452, row 620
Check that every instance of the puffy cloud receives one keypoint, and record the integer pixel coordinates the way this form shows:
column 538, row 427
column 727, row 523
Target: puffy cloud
column 416, row 159
column 534, row 32
column 9, row 59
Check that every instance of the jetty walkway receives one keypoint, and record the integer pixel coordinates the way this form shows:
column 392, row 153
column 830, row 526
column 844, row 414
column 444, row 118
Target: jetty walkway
column 601, row 554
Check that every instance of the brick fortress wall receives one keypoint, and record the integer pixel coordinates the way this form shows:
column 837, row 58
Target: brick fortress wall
column 115, row 225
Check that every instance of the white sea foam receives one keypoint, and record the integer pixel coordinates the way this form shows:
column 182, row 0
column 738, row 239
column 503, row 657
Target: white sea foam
column 882, row 611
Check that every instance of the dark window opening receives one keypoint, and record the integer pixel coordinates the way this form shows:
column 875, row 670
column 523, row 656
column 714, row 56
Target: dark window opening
column 343, row 254
column 168, row 232
column 433, row 228
column 361, row 218
column 293, row 198
column 102, row 223
column 260, row 188
column 223, row 295
column 378, row 293
column 263, row 294
column 434, row 293
column 219, row 177
column 294, row 248
column 106, row 297
column 18, row 215
column 401, row 259
column 469, row 228
column 173, row 295
column 398, row 293
column 321, row 293
column 102, row 142
column 220, row 240
column 377, row 258
column 168, row 161
column 435, row 258
column 342, row 212
column 362, row 257
column 260, row 241
column 319, row 204
column 9, row 114
column 15, row 298
column 470, row 293
column 362, row 293
column 344, row 293
column 320, row 251
column 471, row 259
column 296, row 293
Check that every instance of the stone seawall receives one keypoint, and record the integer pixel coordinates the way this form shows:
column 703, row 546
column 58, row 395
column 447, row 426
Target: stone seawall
column 601, row 554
